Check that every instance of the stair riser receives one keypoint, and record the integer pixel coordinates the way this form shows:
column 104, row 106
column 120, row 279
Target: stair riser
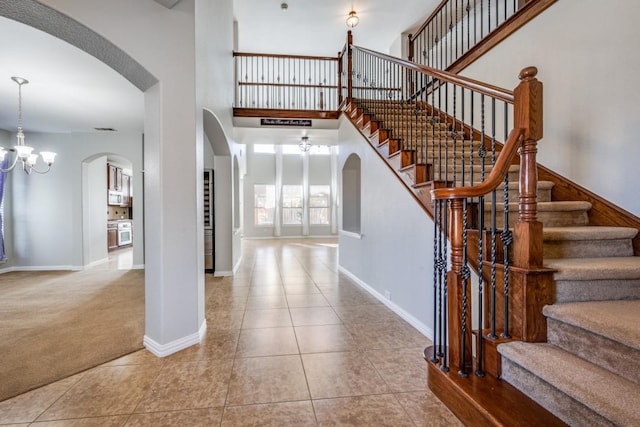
column 588, row 248
column 596, row 290
column 544, row 195
column 558, row 403
column 549, row 218
column 611, row 355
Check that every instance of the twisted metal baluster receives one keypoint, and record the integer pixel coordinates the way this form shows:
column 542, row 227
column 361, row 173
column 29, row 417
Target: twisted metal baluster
column 445, row 365
column 507, row 240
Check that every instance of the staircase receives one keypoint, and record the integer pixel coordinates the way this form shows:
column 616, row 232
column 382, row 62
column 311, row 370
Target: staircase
column 588, row 373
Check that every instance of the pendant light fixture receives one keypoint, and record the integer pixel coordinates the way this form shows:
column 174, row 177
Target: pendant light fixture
column 24, row 153
column 352, row 19
column 304, row 145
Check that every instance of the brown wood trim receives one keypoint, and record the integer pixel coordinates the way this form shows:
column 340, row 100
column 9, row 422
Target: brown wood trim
column 437, row 10
column 298, row 85
column 495, row 178
column 602, row 212
column 420, row 202
column 285, row 114
column 486, row 401
column 518, row 20
column 277, row 55
column 445, row 76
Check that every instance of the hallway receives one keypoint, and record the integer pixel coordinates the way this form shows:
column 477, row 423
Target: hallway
column 289, row 342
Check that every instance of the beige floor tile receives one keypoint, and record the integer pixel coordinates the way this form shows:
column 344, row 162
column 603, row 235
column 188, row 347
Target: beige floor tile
column 28, row 406
column 301, row 289
column 390, row 335
column 341, row 374
column 380, row 410
column 272, row 318
column 111, row 390
column 267, row 380
column 267, row 342
column 365, row 314
column 260, row 291
column 402, row 370
column 426, row 410
column 270, row 415
column 267, row 302
column 142, row 357
column 324, row 339
column 115, row 421
column 217, row 344
column 297, row 280
column 224, row 319
column 314, row 316
column 188, row 385
column 301, row 301
column 191, row 418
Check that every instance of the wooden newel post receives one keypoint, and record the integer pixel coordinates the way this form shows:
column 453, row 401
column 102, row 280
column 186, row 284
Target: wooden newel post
column 528, row 116
column 459, row 322
column 340, row 54
column 349, row 66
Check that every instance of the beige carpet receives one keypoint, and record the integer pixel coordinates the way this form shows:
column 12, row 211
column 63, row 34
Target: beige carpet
column 54, row 324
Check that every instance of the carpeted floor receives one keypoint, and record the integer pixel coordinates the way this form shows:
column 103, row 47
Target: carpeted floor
column 54, row 324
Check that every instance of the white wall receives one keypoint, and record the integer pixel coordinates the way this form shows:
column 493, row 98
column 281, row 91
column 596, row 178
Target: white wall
column 587, row 56
column 7, row 139
column 94, row 216
column 163, row 41
column 395, row 252
column 47, row 210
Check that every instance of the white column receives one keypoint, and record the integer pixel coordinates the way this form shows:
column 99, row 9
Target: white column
column 334, row 189
column 305, row 193
column 277, row 222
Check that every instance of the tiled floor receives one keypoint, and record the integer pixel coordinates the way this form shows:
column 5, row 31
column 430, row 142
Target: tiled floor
column 290, row 342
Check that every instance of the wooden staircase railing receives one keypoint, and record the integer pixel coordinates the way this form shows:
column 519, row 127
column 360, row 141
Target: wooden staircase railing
column 460, row 31
column 441, row 132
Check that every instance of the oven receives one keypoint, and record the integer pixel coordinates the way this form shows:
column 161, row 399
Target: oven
column 125, row 236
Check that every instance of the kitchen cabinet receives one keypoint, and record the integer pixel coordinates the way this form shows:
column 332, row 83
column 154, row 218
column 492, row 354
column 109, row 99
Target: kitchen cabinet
column 114, row 178
column 126, row 190
column 112, row 236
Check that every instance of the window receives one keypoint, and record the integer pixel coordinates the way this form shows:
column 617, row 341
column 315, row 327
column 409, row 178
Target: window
column 264, row 204
column 319, row 204
column 320, row 149
column 291, row 205
column 291, row 149
column 264, row 148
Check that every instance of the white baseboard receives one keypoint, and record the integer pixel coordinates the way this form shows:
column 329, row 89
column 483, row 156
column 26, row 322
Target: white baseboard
column 42, row 268
column 330, row 236
column 137, row 267
column 96, row 263
column 164, row 350
column 237, row 266
column 408, row 317
column 223, row 273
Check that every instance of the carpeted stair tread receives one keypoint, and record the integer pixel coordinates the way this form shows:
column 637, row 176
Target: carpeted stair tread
column 616, row 320
column 607, row 394
column 588, row 233
column 556, row 206
column 605, row 268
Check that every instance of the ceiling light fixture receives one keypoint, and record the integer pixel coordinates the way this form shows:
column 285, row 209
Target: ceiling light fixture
column 24, row 152
column 284, row 6
column 352, row 19
column 305, row 145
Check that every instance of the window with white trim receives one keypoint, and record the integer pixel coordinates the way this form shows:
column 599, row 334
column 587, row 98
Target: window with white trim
column 292, row 200
column 319, row 203
column 264, row 204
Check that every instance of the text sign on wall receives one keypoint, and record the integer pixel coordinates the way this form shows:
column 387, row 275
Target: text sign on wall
column 286, row 122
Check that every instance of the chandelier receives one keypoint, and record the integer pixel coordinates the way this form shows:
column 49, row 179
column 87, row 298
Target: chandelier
column 23, row 152
column 305, row 145
column 352, row 19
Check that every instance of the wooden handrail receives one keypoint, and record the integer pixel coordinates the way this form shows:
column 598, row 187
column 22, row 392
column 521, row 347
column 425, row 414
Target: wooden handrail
column 465, row 82
column 442, row 4
column 495, row 178
column 277, row 55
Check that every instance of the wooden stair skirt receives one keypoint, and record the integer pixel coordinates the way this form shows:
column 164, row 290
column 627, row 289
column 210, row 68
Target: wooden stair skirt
column 486, row 401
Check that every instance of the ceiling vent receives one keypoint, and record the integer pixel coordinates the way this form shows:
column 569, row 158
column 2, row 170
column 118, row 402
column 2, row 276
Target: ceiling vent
column 105, row 129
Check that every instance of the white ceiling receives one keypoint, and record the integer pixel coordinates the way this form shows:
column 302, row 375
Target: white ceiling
column 71, row 91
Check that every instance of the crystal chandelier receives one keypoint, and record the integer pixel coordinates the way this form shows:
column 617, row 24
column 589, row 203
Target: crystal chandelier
column 305, row 145
column 24, row 152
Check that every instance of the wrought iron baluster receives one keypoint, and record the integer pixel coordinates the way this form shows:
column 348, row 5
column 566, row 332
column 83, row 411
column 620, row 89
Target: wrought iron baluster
column 506, row 236
column 493, row 224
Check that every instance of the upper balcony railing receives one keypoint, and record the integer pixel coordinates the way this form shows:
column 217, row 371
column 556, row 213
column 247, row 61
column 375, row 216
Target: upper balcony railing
column 286, row 82
column 460, row 31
